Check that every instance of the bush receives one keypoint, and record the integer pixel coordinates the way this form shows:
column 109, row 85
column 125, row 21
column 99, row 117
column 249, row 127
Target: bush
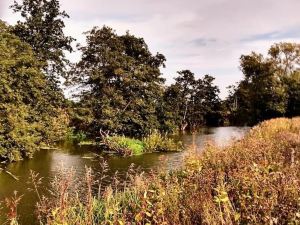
column 155, row 142
column 125, row 145
column 161, row 143
column 76, row 137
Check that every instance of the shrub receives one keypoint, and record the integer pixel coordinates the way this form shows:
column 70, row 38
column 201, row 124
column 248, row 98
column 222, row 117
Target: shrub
column 76, row 137
column 161, row 143
column 129, row 146
column 155, row 142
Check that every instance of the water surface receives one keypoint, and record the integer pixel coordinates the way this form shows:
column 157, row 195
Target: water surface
column 48, row 162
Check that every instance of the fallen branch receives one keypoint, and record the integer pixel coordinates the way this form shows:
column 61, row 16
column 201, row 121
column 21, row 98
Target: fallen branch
column 13, row 176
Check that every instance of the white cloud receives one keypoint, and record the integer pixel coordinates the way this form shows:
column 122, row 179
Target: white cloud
column 205, row 36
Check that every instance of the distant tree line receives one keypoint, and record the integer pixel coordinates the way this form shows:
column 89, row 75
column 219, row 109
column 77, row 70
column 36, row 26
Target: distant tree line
column 120, row 88
column 270, row 88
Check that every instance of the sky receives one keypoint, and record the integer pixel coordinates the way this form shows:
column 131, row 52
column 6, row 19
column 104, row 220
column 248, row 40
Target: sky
column 204, row 36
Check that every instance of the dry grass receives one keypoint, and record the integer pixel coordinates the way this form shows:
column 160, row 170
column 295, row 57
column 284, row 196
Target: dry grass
column 254, row 181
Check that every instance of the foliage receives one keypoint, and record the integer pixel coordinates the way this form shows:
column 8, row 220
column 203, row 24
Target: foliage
column 76, row 137
column 156, row 141
column 191, row 102
column 293, row 91
column 270, row 87
column 121, row 90
column 27, row 118
column 124, row 145
column 42, row 28
column 121, row 83
column 253, row 181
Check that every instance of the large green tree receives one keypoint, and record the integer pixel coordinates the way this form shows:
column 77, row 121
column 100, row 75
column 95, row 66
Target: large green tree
column 270, row 87
column 43, row 28
column 293, row 90
column 27, row 119
column 121, row 84
column 286, row 57
column 191, row 103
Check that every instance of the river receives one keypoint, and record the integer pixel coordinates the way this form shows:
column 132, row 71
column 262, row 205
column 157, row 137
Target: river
column 48, row 162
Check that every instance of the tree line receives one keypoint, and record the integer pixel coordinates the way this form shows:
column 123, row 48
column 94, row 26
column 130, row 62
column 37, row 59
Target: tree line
column 270, row 88
column 120, row 88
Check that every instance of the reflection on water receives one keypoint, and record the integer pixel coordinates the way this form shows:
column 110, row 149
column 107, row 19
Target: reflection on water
column 47, row 164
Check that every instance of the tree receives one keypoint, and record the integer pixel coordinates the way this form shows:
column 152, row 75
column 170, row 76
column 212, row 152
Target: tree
column 207, row 102
column 42, row 28
column 121, row 83
column 270, row 87
column 293, row 90
column 185, row 85
column 286, row 57
column 193, row 102
column 26, row 115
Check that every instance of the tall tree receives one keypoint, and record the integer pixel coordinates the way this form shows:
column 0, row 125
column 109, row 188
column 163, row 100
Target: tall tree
column 121, row 82
column 42, row 28
column 27, row 119
column 193, row 102
column 286, row 57
column 270, row 87
column 185, row 82
column 207, row 104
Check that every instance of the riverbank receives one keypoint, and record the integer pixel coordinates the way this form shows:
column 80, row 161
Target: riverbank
column 254, row 181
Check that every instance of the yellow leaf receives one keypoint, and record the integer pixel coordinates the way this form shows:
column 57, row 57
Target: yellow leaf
column 138, row 217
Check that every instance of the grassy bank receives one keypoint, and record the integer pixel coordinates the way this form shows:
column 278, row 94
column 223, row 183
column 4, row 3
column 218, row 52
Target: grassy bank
column 254, row 181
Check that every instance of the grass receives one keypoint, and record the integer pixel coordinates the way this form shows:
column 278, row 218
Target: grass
column 125, row 145
column 161, row 143
column 254, row 181
column 75, row 137
column 154, row 142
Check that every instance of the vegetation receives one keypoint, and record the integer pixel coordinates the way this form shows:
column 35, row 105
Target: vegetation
column 154, row 142
column 121, row 81
column 270, row 87
column 32, row 105
column 42, row 27
column 157, row 142
column 124, row 145
column 28, row 120
column 120, row 88
column 75, row 138
column 120, row 91
column 191, row 103
column 253, row 181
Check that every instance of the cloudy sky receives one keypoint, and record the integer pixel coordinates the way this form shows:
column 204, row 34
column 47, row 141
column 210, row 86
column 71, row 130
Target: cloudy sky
column 205, row 36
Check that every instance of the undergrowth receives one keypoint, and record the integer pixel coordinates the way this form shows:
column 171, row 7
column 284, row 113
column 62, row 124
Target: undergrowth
column 154, row 142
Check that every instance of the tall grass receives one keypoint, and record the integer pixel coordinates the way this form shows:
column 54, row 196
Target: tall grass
column 161, row 143
column 124, row 145
column 254, row 181
column 154, row 142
